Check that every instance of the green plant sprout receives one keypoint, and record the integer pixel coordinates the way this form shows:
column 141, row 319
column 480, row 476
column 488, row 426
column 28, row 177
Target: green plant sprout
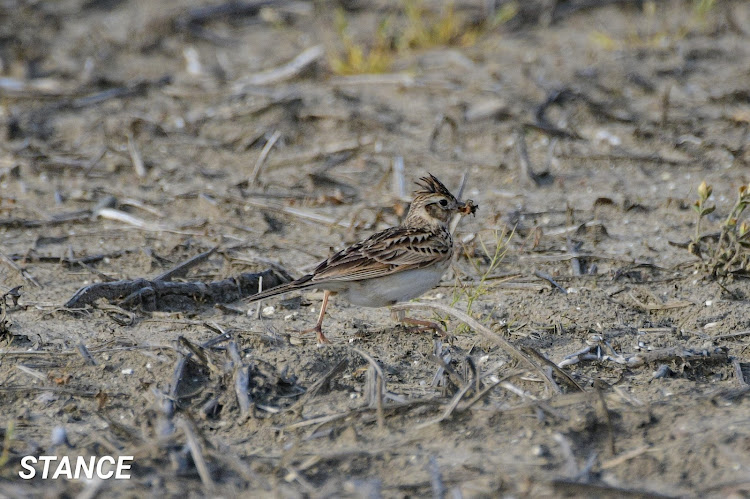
column 667, row 35
column 730, row 253
column 9, row 433
column 701, row 8
column 418, row 29
column 701, row 207
column 356, row 59
column 494, row 257
column 422, row 32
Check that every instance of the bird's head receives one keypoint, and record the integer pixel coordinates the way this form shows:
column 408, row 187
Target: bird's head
column 434, row 204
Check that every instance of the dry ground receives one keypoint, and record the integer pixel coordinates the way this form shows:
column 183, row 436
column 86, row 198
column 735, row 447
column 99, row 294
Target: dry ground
column 144, row 109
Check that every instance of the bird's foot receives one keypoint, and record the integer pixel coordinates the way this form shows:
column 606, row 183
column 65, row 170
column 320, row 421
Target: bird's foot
column 421, row 326
column 318, row 334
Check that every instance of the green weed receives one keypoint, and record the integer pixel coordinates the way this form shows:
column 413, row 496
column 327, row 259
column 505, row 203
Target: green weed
column 701, row 9
column 654, row 32
column 356, row 58
column 484, row 266
column 729, row 254
column 9, row 432
column 423, row 31
column 413, row 28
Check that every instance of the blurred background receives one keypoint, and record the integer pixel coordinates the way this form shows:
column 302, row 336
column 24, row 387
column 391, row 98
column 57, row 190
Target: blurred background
column 605, row 142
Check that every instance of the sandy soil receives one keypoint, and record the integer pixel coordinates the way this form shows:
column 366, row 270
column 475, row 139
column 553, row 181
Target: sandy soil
column 147, row 112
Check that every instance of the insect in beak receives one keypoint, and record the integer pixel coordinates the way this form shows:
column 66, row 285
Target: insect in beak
column 468, row 208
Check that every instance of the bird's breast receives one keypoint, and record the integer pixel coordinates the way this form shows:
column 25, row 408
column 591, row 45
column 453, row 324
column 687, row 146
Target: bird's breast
column 391, row 289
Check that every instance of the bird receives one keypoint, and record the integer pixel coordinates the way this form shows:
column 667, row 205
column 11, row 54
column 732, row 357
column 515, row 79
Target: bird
column 391, row 266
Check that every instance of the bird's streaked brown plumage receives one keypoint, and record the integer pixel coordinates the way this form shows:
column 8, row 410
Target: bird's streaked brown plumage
column 393, row 265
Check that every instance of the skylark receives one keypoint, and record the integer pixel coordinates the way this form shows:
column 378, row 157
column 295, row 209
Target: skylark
column 393, row 265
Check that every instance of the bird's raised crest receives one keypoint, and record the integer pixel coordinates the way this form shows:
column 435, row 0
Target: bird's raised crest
column 431, row 185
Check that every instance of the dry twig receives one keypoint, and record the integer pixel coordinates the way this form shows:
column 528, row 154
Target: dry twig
column 379, row 385
column 482, row 330
column 145, row 292
column 282, row 73
column 10, row 263
column 196, row 452
column 135, row 157
column 253, row 180
column 241, row 381
column 548, row 278
column 319, row 384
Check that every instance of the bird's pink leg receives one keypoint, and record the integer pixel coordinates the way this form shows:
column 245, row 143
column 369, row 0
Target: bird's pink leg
column 319, row 325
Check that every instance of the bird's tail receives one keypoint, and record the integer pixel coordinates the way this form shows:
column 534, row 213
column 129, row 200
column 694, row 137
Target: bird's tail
column 301, row 283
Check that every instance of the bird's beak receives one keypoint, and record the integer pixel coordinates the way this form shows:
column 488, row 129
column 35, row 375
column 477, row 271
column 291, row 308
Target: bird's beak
column 467, row 207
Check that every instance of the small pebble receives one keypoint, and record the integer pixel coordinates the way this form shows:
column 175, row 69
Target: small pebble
column 127, row 371
column 485, row 109
column 192, row 61
column 662, row 372
column 268, row 311
column 604, row 136
column 468, row 238
column 59, row 436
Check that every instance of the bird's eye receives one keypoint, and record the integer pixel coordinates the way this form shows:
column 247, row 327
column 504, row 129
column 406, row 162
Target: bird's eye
column 443, row 202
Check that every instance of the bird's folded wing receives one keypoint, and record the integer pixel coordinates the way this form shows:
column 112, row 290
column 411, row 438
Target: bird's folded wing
column 387, row 252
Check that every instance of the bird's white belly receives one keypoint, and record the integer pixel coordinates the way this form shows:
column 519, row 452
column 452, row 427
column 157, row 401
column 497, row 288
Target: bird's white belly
column 388, row 290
